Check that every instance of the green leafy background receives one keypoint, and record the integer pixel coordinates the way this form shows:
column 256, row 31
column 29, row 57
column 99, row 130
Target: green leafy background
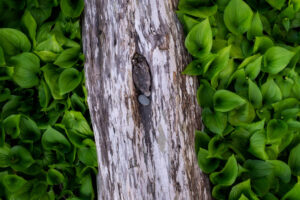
column 47, row 148
column 246, row 55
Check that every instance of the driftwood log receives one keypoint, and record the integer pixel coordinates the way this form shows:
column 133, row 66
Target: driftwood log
column 144, row 112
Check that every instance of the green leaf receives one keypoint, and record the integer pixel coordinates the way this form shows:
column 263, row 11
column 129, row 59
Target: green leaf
column 201, row 140
column 271, row 92
column 238, row 16
column 278, row 4
column 200, row 12
column 68, row 80
column 293, row 194
column 54, row 177
column 217, row 148
column 11, row 126
column 199, row 40
column 54, row 140
column 50, row 44
column 2, row 58
column 225, row 101
column 13, row 183
column 227, row 175
column 187, row 21
column 72, row 8
column 257, row 145
column 207, row 99
column 74, row 120
column 86, row 187
column 27, row 68
column 276, row 59
column 242, row 115
column 13, row 41
column 30, row 25
column 243, row 188
column 294, row 160
column 44, row 94
column 68, row 58
column 4, row 161
column 193, row 69
column 276, row 130
column 206, row 164
column 20, row 158
column 88, row 154
column 216, row 122
column 51, row 75
column 262, row 44
column 29, row 129
column 256, row 28
column 254, row 93
column 281, row 170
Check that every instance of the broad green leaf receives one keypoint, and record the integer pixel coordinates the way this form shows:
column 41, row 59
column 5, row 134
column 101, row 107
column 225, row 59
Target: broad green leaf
column 248, row 60
column 276, row 130
column 4, row 152
column 276, row 59
column 256, row 28
column 281, row 170
column 68, row 58
column 225, row 101
column 217, row 148
column 200, row 12
column 270, row 196
column 201, row 140
column 227, row 175
column 294, row 160
column 50, row 44
column 46, row 56
column 238, row 16
column 77, row 103
column 30, row 25
column 278, row 4
column 219, row 63
column 216, row 121
column 293, row 194
column 68, row 80
column 242, row 115
column 187, row 21
column 271, row 92
column 206, row 164
column 254, row 93
column 2, row 58
column 243, row 188
column 253, row 69
column 258, row 168
column 13, row 41
column 88, row 154
column 20, row 158
column 44, row 94
column 27, row 68
column 262, row 44
column 72, row 8
column 13, row 183
column 29, row 129
column 257, row 145
column 86, row 187
column 11, row 126
column 199, row 40
column 54, row 140
column 193, row 69
column 54, row 177
column 220, row 192
column 38, row 190
column 51, row 75
column 74, row 120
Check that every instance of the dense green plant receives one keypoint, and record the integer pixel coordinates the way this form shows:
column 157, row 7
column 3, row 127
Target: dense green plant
column 46, row 143
column 246, row 54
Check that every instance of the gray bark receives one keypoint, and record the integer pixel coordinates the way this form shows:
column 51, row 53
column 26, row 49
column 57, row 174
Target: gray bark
column 144, row 112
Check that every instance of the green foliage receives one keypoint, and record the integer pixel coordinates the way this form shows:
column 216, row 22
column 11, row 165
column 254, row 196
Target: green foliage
column 247, row 57
column 47, row 148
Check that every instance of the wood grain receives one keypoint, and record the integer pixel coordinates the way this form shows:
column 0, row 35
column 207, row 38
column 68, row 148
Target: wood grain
column 144, row 151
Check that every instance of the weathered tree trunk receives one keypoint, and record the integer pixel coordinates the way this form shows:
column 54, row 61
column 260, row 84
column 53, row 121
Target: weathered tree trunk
column 144, row 111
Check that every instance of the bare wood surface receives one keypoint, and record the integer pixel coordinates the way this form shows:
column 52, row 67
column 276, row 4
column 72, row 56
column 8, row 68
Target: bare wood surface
column 134, row 55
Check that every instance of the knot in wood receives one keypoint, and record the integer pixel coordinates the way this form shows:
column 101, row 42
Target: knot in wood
column 141, row 74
